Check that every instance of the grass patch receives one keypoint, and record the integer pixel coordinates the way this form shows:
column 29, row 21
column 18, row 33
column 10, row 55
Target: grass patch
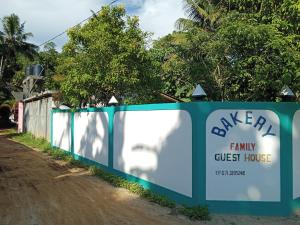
column 194, row 213
column 8, row 131
column 31, row 141
column 133, row 187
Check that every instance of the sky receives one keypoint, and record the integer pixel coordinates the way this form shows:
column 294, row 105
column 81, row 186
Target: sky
column 47, row 18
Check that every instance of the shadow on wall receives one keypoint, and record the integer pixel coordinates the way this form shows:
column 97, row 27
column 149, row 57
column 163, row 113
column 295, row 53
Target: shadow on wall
column 91, row 136
column 155, row 146
column 63, row 131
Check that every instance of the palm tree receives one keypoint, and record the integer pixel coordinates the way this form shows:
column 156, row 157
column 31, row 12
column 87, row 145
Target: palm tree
column 205, row 14
column 13, row 42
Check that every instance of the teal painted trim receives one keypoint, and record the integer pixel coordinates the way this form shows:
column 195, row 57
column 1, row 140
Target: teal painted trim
column 286, row 162
column 295, row 206
column 205, row 106
column 51, row 128
column 199, row 153
column 248, row 208
column 295, row 203
column 72, row 133
column 111, row 114
column 177, row 197
column 90, row 162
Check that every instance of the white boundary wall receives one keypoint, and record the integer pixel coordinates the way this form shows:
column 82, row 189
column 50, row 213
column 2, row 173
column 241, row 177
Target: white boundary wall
column 155, row 146
column 91, row 136
column 62, row 130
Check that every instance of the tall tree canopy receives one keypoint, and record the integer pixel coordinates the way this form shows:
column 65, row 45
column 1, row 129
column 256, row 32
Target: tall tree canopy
column 236, row 49
column 253, row 49
column 13, row 41
column 205, row 14
column 14, row 52
column 49, row 58
column 182, row 64
column 108, row 56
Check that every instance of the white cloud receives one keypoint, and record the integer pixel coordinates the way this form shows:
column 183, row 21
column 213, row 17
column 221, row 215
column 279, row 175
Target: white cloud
column 159, row 16
column 47, row 18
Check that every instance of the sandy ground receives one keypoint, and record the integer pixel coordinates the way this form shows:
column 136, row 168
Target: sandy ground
column 36, row 190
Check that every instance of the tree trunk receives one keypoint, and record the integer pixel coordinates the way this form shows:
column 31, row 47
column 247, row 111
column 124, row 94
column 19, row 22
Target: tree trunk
column 1, row 66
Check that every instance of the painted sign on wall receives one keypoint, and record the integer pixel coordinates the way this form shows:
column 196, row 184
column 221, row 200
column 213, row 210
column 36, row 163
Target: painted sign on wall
column 243, row 155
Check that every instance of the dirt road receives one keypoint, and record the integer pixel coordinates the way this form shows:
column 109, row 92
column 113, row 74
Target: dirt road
column 36, row 190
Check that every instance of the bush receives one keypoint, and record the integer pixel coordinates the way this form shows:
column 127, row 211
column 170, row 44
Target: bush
column 59, row 154
column 196, row 212
column 93, row 170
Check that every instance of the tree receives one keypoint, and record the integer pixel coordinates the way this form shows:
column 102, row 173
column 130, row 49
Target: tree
column 108, row 56
column 13, row 42
column 49, row 59
column 257, row 61
column 253, row 46
column 182, row 64
column 256, row 50
column 14, row 50
column 205, row 14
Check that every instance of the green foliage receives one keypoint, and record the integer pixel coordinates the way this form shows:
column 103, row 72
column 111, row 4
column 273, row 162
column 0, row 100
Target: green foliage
column 196, row 212
column 31, row 141
column 22, row 62
column 12, row 43
column 4, row 92
column 93, row 170
column 59, row 154
column 251, row 52
column 283, row 14
column 74, row 162
column 205, row 14
column 49, row 58
column 256, row 61
column 108, row 56
column 7, row 132
column 14, row 48
column 182, row 64
column 134, row 188
column 44, row 146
